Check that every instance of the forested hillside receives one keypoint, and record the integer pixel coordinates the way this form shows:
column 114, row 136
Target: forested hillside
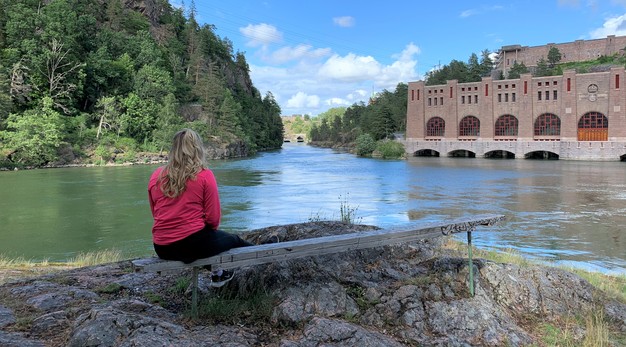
column 97, row 80
column 384, row 115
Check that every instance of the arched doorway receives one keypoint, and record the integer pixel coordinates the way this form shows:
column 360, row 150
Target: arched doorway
column 593, row 126
column 469, row 126
column 436, row 127
column 506, row 126
column 547, row 128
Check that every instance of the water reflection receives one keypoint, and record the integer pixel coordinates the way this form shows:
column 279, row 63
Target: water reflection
column 568, row 212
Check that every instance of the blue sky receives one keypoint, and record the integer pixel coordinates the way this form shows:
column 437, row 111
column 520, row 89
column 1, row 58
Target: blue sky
column 315, row 55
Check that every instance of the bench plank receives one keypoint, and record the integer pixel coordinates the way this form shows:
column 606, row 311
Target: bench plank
column 261, row 254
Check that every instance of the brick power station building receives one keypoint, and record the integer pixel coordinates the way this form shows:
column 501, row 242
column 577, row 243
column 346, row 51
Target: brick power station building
column 578, row 116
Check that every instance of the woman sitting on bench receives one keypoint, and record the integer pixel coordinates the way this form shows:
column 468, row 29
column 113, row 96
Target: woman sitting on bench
column 185, row 205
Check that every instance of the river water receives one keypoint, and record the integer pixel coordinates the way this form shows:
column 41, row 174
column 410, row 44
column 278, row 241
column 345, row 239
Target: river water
column 567, row 212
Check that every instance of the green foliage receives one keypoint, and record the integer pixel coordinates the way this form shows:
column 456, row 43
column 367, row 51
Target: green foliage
column 591, row 65
column 106, row 65
column 97, row 257
column 152, row 82
column 385, row 115
column 154, row 298
column 299, row 126
column 554, row 56
column 347, row 213
column 517, row 69
column 473, row 71
column 103, row 153
column 110, row 288
column 365, row 145
column 542, row 68
column 388, row 149
column 357, row 293
column 230, row 114
column 6, row 104
column 139, row 118
column 33, row 137
column 182, row 283
column 231, row 307
column 168, row 122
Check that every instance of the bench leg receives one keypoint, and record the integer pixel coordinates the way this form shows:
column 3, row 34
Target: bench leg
column 194, row 292
column 471, row 265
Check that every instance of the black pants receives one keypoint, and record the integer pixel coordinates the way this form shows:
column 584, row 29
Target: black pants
column 202, row 244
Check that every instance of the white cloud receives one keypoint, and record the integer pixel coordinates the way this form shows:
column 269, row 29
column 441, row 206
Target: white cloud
column 357, row 95
column 303, row 100
column 337, row 102
column 493, row 56
column 401, row 70
column 408, row 53
column 287, row 54
column 345, row 21
column 482, row 10
column 351, row 68
column 468, row 13
column 612, row 26
column 303, row 85
column 261, row 34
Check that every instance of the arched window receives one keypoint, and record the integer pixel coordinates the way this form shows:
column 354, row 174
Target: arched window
column 506, row 125
column 593, row 126
column 548, row 124
column 469, row 126
column 436, row 126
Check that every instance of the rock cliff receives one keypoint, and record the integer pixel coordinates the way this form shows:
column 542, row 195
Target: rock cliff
column 403, row 295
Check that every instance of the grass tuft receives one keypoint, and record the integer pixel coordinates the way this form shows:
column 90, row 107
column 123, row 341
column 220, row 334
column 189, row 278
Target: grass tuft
column 19, row 267
column 597, row 329
column 20, row 262
column 111, row 288
column 232, row 308
column 181, row 285
column 347, row 212
column 96, row 258
column 613, row 285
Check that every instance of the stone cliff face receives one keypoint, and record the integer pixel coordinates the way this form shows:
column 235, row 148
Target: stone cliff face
column 412, row 294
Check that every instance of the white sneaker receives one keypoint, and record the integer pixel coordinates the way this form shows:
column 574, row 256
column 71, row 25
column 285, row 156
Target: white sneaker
column 221, row 277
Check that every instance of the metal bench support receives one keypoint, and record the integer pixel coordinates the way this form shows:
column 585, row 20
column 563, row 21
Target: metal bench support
column 269, row 253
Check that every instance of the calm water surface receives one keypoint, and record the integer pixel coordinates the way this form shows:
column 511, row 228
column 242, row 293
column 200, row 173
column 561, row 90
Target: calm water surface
column 568, row 212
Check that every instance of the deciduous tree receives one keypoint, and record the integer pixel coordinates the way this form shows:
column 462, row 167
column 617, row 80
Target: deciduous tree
column 32, row 138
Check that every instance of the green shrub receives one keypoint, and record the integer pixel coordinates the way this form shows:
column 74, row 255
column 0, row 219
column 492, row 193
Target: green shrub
column 129, row 156
column 365, row 145
column 125, row 144
column 103, row 154
column 388, row 149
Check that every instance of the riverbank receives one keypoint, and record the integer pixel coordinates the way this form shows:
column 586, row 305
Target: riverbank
column 215, row 150
column 391, row 296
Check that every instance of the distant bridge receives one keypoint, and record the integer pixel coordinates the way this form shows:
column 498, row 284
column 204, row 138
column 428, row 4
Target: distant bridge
column 295, row 138
column 569, row 150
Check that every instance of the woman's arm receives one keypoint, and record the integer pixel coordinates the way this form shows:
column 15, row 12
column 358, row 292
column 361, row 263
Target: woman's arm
column 211, row 199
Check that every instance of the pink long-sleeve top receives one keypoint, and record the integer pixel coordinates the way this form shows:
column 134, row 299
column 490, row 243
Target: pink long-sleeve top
column 179, row 217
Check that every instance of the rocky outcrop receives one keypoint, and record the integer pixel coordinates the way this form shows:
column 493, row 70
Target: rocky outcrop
column 403, row 295
column 233, row 149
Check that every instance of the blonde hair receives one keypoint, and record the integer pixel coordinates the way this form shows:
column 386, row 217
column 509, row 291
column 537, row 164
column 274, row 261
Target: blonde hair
column 186, row 160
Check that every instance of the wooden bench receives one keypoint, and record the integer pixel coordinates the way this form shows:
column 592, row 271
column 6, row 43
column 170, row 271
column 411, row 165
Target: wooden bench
column 275, row 252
